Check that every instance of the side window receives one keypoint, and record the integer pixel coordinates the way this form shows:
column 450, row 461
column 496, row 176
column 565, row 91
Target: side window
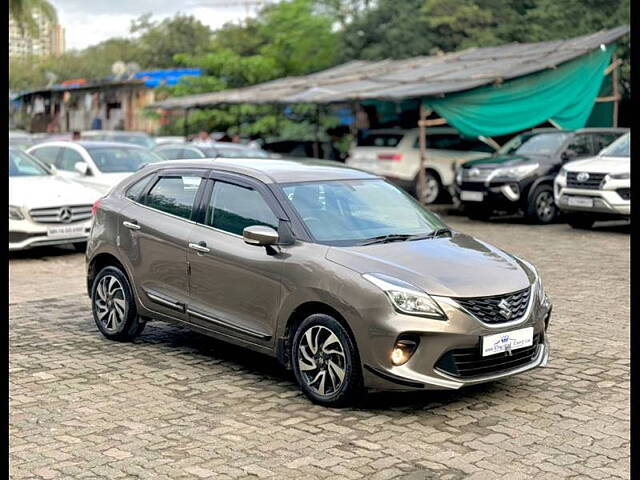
column 169, row 153
column 190, row 153
column 47, row 154
column 232, row 208
column 455, row 143
column 581, row 144
column 69, row 159
column 174, row 195
column 137, row 188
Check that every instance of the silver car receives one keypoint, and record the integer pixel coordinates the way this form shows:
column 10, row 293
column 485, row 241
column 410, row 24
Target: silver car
column 337, row 273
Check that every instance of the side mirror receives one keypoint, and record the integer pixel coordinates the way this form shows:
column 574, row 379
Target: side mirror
column 569, row 154
column 260, row 235
column 82, row 168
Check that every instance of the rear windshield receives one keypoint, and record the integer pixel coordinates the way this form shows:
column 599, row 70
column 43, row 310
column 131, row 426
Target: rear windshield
column 380, row 140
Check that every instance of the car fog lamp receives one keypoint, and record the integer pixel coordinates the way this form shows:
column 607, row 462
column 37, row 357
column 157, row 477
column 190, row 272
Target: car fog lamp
column 402, row 352
column 15, row 213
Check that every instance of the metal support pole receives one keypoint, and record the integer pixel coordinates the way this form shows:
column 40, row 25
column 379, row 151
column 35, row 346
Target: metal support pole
column 421, row 187
column 316, row 145
column 616, row 91
column 185, row 125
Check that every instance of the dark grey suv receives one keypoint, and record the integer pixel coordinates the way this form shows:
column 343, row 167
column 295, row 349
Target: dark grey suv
column 337, row 273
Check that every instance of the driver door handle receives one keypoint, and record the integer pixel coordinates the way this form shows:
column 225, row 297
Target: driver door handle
column 131, row 225
column 200, row 247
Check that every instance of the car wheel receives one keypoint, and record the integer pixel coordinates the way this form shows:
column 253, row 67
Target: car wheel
column 431, row 191
column 80, row 247
column 542, row 208
column 325, row 362
column 113, row 305
column 580, row 221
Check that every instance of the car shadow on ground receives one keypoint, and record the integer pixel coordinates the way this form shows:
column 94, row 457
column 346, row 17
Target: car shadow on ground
column 242, row 359
column 42, row 253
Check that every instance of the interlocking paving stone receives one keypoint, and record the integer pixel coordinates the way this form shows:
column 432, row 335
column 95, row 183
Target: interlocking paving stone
column 174, row 404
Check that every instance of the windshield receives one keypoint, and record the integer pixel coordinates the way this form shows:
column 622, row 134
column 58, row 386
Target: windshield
column 22, row 164
column 121, row 159
column 135, row 140
column 619, row 148
column 540, row 144
column 350, row 212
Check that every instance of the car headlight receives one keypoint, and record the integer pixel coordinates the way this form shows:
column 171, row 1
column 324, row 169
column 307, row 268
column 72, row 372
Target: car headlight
column 562, row 175
column 620, row 176
column 515, row 172
column 459, row 176
column 15, row 213
column 405, row 297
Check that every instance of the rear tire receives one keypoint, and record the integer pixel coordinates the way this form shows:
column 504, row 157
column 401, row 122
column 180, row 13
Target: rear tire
column 542, row 209
column 433, row 189
column 326, row 363
column 580, row 221
column 114, row 307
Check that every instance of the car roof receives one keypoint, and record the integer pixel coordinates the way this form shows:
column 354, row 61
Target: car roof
column 275, row 170
column 87, row 144
column 116, row 132
column 195, row 145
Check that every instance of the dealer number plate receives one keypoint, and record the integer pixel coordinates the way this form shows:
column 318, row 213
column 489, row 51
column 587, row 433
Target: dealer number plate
column 507, row 341
column 471, row 196
column 580, row 202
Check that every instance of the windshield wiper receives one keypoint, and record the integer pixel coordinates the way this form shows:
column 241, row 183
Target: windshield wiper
column 436, row 233
column 391, row 237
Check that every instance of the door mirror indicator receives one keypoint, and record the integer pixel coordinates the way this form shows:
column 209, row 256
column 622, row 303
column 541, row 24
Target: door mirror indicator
column 82, row 168
column 260, row 235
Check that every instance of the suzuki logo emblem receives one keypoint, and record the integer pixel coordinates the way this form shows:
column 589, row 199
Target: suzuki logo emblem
column 64, row 215
column 505, row 309
column 582, row 177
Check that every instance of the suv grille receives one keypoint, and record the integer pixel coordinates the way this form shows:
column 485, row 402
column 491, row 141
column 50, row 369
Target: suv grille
column 487, row 309
column 625, row 193
column 592, row 183
column 469, row 362
column 75, row 213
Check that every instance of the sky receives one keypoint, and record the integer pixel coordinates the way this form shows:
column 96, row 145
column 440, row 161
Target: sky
column 87, row 22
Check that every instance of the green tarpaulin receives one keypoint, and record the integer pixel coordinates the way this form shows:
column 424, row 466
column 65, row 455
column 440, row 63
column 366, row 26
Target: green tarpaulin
column 565, row 95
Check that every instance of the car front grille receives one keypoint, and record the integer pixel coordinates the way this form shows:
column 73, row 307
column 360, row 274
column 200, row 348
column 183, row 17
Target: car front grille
column 488, row 309
column 61, row 215
column 593, row 182
column 625, row 193
column 469, row 362
column 473, row 187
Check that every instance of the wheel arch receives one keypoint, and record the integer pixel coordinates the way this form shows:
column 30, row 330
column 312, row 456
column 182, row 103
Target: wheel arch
column 98, row 262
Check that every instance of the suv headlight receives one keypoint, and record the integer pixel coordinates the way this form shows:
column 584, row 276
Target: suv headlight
column 515, row 172
column 405, row 297
column 620, row 176
column 15, row 213
column 562, row 175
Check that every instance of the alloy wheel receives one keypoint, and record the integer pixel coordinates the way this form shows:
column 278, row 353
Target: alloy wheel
column 545, row 206
column 111, row 304
column 321, row 360
column 431, row 190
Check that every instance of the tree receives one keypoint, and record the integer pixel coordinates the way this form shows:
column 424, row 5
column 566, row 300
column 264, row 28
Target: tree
column 24, row 12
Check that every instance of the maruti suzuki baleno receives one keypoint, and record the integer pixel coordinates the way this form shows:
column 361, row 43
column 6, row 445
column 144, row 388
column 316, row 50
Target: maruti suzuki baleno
column 340, row 275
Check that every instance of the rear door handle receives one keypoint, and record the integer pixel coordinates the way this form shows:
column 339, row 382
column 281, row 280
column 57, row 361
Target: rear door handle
column 131, row 225
column 199, row 247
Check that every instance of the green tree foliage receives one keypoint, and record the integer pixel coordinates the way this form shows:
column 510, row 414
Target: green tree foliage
column 23, row 13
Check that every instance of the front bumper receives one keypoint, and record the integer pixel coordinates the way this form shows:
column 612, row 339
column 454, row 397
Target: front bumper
column 440, row 339
column 605, row 202
column 25, row 233
column 508, row 196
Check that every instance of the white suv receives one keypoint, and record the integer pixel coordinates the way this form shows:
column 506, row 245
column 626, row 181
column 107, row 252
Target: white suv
column 596, row 188
column 395, row 154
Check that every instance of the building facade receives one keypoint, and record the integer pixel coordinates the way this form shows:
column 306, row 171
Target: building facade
column 49, row 40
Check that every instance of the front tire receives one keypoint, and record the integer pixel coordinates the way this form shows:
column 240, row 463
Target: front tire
column 114, row 307
column 432, row 190
column 325, row 362
column 542, row 208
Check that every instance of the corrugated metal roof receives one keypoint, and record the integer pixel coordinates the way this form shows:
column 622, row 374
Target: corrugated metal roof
column 408, row 78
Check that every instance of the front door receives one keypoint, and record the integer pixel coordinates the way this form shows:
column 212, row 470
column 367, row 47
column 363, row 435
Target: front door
column 154, row 233
column 234, row 287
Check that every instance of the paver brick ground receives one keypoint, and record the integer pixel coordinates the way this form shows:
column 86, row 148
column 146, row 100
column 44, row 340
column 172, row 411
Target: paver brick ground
column 175, row 404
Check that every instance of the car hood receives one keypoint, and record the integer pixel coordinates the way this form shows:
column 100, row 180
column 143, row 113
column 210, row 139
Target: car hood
column 48, row 191
column 502, row 161
column 105, row 181
column 600, row 165
column 460, row 266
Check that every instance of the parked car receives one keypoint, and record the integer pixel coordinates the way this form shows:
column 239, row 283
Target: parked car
column 45, row 209
column 301, row 149
column 336, row 272
column 121, row 136
column 98, row 165
column 20, row 139
column 395, row 154
column 520, row 177
column 169, row 139
column 182, row 151
column 597, row 188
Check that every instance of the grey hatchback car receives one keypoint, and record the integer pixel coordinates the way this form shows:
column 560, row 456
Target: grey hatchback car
column 340, row 275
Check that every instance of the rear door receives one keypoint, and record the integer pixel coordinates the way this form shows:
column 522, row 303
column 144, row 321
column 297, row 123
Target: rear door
column 154, row 234
column 235, row 287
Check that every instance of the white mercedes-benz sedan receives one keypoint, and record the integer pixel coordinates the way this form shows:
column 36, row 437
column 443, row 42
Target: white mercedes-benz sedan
column 46, row 209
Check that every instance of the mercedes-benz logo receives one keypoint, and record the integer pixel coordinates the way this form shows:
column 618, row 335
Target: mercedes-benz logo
column 582, row 177
column 64, row 215
column 505, row 309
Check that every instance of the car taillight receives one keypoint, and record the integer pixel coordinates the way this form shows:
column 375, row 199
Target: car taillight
column 393, row 157
column 94, row 208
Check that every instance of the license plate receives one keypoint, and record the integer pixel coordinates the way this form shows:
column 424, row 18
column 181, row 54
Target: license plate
column 507, row 341
column 471, row 196
column 66, row 230
column 580, row 202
